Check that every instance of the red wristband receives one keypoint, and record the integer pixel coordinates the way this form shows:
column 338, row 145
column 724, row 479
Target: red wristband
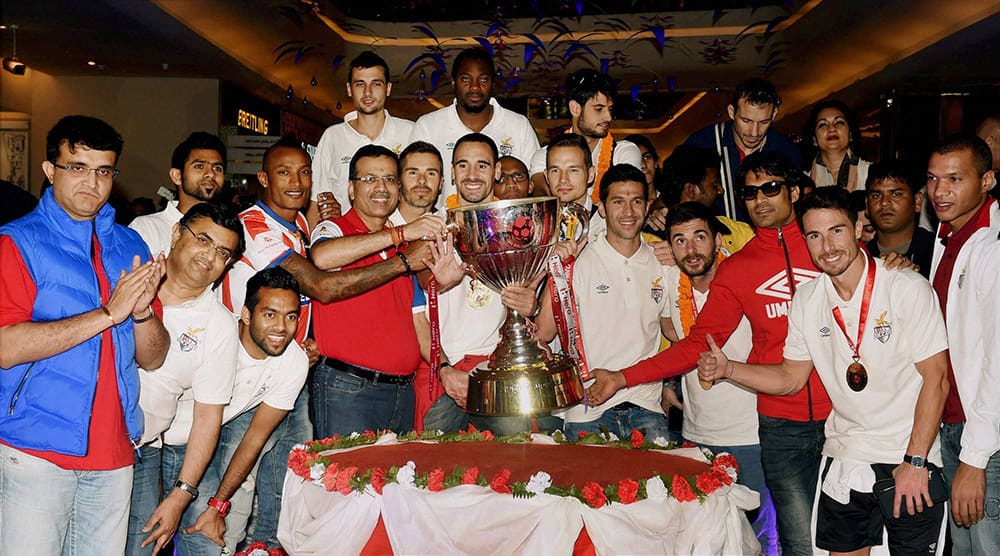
column 222, row 507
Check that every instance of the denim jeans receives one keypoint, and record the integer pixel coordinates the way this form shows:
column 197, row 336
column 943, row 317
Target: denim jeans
column 446, row 416
column 983, row 537
column 344, row 403
column 622, row 421
column 146, row 496
column 791, row 452
column 45, row 509
column 751, row 475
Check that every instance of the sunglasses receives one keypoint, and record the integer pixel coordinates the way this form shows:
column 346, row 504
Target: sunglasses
column 769, row 189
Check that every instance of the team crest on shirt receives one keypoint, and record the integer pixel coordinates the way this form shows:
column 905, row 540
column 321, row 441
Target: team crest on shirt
column 479, row 295
column 883, row 328
column 188, row 340
column 656, row 291
column 505, row 148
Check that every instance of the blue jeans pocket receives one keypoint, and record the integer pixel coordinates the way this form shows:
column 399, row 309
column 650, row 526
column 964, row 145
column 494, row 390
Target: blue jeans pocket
column 344, row 383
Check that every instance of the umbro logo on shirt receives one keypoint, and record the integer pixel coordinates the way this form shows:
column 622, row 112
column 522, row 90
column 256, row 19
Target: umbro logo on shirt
column 777, row 285
column 603, row 288
column 824, row 332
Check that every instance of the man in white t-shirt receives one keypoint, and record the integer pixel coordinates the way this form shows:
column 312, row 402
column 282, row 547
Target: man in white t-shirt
column 591, row 98
column 474, row 110
column 878, row 341
column 368, row 86
column 199, row 368
column 198, row 170
column 270, row 373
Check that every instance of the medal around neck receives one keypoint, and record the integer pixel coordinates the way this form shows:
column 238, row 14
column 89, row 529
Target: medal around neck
column 857, row 376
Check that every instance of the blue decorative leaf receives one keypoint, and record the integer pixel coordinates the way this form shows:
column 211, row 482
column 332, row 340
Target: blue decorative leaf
column 427, row 31
column 578, row 46
column 436, row 76
column 658, row 33
column 494, row 28
column 285, row 44
column 604, row 65
column 337, row 60
column 486, row 44
column 529, row 52
column 510, row 84
column 436, row 58
column 635, row 92
column 302, row 52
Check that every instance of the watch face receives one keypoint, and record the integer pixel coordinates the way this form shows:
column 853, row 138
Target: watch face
column 917, row 461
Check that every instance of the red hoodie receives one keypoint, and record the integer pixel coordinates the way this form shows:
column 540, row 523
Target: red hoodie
column 753, row 283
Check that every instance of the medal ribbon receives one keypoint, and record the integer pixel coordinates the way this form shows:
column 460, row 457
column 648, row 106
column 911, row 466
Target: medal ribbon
column 866, row 300
column 564, row 312
column 432, row 306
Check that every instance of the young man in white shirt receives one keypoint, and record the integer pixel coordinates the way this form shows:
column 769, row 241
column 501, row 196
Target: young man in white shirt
column 878, row 342
column 199, row 368
column 198, row 170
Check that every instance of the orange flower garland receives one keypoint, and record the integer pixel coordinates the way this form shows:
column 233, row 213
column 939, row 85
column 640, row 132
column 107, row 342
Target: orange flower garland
column 603, row 162
column 685, row 299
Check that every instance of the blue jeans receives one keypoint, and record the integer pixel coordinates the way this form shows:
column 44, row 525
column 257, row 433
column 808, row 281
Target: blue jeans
column 146, row 495
column 791, row 452
column 344, row 403
column 45, row 509
column 983, row 537
column 751, row 475
column 446, row 416
column 621, row 420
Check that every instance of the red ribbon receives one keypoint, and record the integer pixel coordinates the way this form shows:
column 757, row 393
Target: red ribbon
column 866, row 300
column 432, row 304
column 564, row 312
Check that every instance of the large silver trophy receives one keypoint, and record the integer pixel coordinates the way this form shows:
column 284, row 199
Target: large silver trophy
column 508, row 243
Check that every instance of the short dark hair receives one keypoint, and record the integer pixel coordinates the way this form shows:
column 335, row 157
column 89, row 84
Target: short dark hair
column 982, row 157
column 643, row 141
column 896, row 171
column 222, row 214
column 82, row 131
column 420, row 147
column 367, row 59
column 687, row 164
column 692, row 210
column 771, row 163
column 286, row 142
column 622, row 173
column 834, row 198
column 474, row 53
column 583, row 85
column 197, row 140
column 370, row 151
column 476, row 138
column 571, row 140
column 274, row 277
column 756, row 91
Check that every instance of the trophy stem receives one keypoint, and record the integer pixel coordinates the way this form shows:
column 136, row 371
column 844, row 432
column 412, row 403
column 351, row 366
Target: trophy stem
column 518, row 345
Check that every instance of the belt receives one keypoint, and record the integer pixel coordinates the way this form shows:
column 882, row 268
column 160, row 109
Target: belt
column 366, row 374
column 624, row 406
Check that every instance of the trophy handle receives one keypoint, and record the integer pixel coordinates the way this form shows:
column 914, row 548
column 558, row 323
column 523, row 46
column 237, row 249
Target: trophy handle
column 574, row 222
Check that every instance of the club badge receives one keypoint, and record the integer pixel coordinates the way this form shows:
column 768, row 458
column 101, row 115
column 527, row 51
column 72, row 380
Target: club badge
column 656, row 291
column 883, row 328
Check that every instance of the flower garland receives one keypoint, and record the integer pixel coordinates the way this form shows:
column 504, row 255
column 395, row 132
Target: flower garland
column 603, row 162
column 260, row 549
column 685, row 298
column 311, row 462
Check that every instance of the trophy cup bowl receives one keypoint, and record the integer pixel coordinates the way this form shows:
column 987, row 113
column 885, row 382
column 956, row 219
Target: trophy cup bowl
column 508, row 243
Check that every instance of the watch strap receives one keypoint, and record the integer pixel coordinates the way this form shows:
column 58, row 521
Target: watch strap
column 222, row 507
column 918, row 462
column 188, row 488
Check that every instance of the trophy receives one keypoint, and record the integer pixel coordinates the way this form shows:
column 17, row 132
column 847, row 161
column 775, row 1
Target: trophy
column 508, row 243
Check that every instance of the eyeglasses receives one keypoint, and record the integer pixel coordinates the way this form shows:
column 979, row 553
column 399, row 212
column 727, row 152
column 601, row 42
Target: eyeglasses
column 372, row 180
column 80, row 171
column 769, row 189
column 206, row 242
column 515, row 176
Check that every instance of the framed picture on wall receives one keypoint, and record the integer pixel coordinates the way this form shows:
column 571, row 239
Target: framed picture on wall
column 14, row 156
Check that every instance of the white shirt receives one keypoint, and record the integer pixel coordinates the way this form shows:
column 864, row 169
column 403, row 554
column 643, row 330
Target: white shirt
column 623, row 295
column 337, row 146
column 726, row 415
column 157, row 229
column 470, row 316
column 511, row 131
column 625, row 152
column 904, row 326
column 200, row 363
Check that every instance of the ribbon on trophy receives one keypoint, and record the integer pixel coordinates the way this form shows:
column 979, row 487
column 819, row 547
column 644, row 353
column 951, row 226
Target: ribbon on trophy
column 432, row 310
column 564, row 312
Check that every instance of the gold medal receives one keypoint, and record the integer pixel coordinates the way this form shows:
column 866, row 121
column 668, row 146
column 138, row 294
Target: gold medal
column 857, row 376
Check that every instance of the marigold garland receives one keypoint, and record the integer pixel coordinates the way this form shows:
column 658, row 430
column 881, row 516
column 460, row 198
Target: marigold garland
column 603, row 162
column 685, row 298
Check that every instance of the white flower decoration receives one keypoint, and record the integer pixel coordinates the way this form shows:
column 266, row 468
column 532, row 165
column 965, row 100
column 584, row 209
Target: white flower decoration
column 316, row 471
column 539, row 482
column 406, row 473
column 655, row 489
column 660, row 441
column 355, row 434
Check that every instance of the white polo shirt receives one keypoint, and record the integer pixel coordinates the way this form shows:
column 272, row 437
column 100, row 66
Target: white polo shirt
column 200, row 363
column 904, row 326
column 726, row 415
column 157, row 229
column 511, row 131
column 620, row 302
column 625, row 152
column 470, row 318
column 337, row 146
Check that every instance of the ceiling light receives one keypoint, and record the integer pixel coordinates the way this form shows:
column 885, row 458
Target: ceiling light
column 12, row 64
column 91, row 63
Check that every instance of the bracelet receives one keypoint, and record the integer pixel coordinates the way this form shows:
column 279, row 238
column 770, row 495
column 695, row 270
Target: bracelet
column 537, row 310
column 145, row 318
column 108, row 313
column 406, row 262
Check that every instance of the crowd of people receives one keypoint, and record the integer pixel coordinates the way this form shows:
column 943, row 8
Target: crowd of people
column 156, row 376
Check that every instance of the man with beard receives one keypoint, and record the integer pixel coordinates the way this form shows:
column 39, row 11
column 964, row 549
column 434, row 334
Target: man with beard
column 198, row 170
column 474, row 110
column 894, row 203
column 270, row 371
column 368, row 86
column 420, row 167
column 591, row 98
column 513, row 182
column 878, row 342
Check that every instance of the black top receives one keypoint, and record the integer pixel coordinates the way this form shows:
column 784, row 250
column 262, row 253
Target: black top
column 920, row 252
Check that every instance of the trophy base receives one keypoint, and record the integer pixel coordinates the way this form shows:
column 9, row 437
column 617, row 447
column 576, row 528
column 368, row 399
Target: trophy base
column 524, row 389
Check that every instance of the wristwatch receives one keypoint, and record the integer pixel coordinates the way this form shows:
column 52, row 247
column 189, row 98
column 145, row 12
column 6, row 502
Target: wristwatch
column 918, row 462
column 223, row 507
column 190, row 489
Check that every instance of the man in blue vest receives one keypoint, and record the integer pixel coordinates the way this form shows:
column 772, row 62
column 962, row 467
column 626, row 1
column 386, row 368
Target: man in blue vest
column 75, row 319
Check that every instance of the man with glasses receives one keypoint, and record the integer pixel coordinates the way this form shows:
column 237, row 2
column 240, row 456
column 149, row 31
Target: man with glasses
column 758, row 283
column 75, row 320
column 513, row 182
column 198, row 170
column 364, row 378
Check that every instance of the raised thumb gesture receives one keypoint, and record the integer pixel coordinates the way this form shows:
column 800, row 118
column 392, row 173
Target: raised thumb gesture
column 712, row 365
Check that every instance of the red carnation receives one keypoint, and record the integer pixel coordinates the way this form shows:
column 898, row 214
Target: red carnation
column 488, row 435
column 594, row 495
column 344, row 480
column 582, row 434
column 277, row 551
column 687, row 444
column 628, row 491
column 723, row 475
column 250, row 549
column 470, row 476
column 297, row 463
column 435, row 481
column 708, row 482
column 501, row 482
column 472, row 428
column 726, row 460
column 378, row 479
column 330, row 477
column 637, row 438
column 681, row 489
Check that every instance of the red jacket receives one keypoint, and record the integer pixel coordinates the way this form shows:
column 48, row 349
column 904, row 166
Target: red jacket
column 753, row 283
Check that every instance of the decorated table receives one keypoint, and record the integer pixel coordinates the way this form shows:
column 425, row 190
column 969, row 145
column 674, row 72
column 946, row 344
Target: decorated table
column 472, row 493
